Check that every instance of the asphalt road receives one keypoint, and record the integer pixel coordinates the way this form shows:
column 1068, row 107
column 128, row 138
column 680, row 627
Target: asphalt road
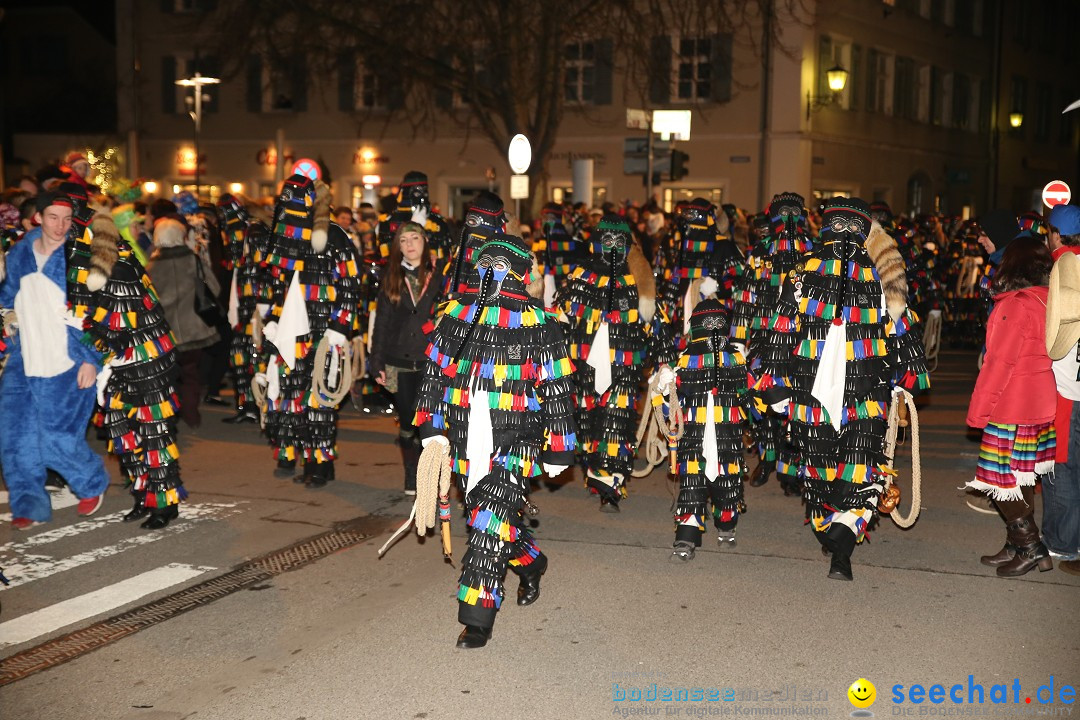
column 759, row 628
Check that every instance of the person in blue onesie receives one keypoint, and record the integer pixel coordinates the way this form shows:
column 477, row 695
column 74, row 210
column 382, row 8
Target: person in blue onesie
column 47, row 386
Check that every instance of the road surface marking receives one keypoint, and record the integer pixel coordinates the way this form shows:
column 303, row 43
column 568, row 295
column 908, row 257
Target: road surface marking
column 22, row 567
column 61, row 498
column 52, row 618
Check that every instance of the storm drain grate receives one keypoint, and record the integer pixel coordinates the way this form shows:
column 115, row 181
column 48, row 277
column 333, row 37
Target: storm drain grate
column 68, row 647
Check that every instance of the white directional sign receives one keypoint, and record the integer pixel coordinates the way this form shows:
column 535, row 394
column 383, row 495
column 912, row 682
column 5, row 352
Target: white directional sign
column 1056, row 192
column 519, row 187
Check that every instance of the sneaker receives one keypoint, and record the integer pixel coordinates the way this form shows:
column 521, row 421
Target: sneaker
column 23, row 523
column 1063, row 556
column 89, row 506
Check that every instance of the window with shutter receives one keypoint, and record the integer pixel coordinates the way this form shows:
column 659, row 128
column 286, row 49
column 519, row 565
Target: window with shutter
column 579, row 80
column 693, row 61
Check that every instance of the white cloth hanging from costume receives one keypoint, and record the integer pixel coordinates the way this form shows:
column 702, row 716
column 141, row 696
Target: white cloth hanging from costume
column 832, row 373
column 293, row 322
column 600, row 359
column 709, row 449
column 234, row 301
column 481, row 441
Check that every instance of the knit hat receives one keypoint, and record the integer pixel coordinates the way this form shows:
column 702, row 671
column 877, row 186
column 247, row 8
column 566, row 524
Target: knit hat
column 1033, row 224
column 1000, row 226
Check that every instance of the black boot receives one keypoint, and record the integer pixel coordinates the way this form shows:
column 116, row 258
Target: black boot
column 243, row 415
column 139, row 511
column 473, row 637
column 160, row 517
column 761, row 473
column 316, row 475
column 791, row 485
column 1030, row 551
column 529, row 589
column 285, row 468
column 842, row 540
column 410, row 459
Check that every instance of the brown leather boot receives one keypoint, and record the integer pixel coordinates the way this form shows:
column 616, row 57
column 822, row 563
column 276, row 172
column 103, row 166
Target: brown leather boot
column 1030, row 552
column 1002, row 556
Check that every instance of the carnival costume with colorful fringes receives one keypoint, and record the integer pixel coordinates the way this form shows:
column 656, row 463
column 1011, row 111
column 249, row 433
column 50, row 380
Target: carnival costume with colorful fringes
column 413, row 205
column 498, row 385
column 713, row 387
column 310, row 256
column 854, row 342
column 606, row 306
column 124, row 320
column 781, row 251
column 245, row 241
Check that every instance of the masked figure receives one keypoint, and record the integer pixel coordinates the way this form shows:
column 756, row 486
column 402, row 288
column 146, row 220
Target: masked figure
column 245, row 240
column 781, row 251
column 615, row 332
column 497, row 389
column 713, row 389
column 484, row 219
column 855, row 340
column 313, row 285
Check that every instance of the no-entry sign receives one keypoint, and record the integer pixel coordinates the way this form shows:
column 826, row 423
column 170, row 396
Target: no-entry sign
column 1056, row 192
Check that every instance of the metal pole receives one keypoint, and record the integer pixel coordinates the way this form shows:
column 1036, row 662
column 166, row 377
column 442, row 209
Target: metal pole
column 517, row 212
column 649, row 163
column 198, row 118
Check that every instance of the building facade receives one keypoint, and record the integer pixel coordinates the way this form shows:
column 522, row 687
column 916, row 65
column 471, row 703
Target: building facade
column 922, row 121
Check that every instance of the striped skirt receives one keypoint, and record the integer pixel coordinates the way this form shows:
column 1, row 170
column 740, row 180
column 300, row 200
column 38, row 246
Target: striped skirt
column 1011, row 456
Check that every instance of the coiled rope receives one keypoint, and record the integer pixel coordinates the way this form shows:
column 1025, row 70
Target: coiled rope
column 342, row 371
column 659, row 435
column 432, row 497
column 904, row 397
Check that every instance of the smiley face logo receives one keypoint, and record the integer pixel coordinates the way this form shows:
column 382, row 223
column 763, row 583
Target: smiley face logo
column 862, row 693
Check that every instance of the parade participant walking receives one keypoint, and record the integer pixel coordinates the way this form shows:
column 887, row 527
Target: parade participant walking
column 498, row 384
column 123, row 317
column 313, row 283
column 1014, row 403
column 47, row 387
column 855, row 341
column 556, row 249
column 615, row 332
column 407, row 294
column 781, row 251
column 245, row 240
column 713, row 390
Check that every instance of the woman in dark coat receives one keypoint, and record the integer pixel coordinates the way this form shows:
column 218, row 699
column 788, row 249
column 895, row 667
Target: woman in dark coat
column 172, row 268
column 409, row 288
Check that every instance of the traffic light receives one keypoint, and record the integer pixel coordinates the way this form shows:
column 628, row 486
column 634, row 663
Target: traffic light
column 678, row 164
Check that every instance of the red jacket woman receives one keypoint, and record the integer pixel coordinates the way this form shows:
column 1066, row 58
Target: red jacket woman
column 1016, row 384
column 1014, row 402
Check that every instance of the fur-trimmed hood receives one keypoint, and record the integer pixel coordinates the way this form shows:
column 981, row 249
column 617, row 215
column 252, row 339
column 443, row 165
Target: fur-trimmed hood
column 883, row 251
column 104, row 251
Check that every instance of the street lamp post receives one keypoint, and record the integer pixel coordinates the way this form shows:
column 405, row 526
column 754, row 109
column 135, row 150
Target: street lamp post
column 197, row 82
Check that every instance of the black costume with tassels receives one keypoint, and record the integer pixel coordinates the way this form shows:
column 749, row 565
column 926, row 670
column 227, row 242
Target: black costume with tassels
column 855, row 339
column 498, row 384
column 713, row 390
column 483, row 219
column 245, row 241
column 606, row 308
column 781, row 251
column 110, row 291
column 413, row 204
column 313, row 285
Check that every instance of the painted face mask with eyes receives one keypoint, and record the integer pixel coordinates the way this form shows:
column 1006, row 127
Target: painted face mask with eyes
column 611, row 239
column 787, row 214
column 845, row 223
column 503, row 264
column 710, row 324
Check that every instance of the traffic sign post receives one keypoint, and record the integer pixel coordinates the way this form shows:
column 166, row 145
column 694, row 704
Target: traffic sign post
column 1056, row 192
column 520, row 156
